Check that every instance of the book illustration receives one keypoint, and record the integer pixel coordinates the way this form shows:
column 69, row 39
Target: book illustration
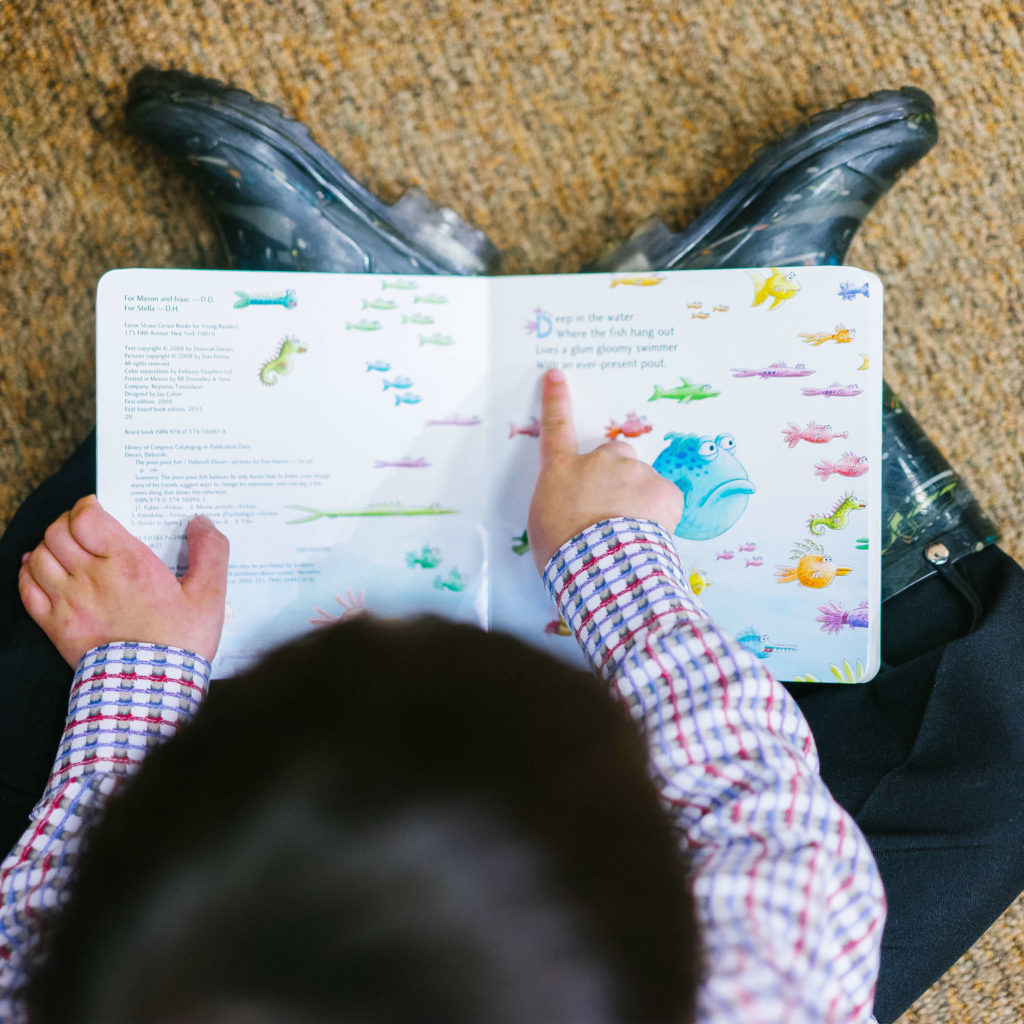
column 814, row 568
column 453, row 582
column 398, row 382
column 631, row 426
column 698, row 580
column 842, row 674
column 378, row 365
column 558, row 627
column 773, row 370
column 700, row 316
column 841, row 336
column 758, row 643
column 848, row 291
column 834, row 617
column 456, row 421
column 394, row 508
column 637, row 280
column 849, row 464
column 531, row 429
column 426, row 558
column 378, row 303
column 714, row 483
column 363, row 325
column 725, row 556
column 354, row 605
column 754, row 562
column 865, row 362
column 281, row 365
column 814, row 433
column 838, row 517
column 719, row 309
column 432, row 297
column 862, row 544
column 407, row 462
column 407, row 398
column 834, row 390
column 288, row 300
column 417, row 318
column 521, row 544
column 437, row 339
column 686, row 392
column 541, row 324
column 400, row 284
column 777, row 286
column 748, row 546
column 694, row 305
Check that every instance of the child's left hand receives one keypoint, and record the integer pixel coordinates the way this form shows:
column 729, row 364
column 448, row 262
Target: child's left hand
column 90, row 582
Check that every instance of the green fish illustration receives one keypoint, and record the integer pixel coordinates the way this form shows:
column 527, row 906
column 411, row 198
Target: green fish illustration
column 862, row 544
column 433, row 297
column 436, row 339
column 395, row 508
column 416, row 318
column 400, row 284
column 521, row 544
column 685, row 392
column 453, row 582
column 428, row 558
column 379, row 304
column 363, row 325
column 288, row 300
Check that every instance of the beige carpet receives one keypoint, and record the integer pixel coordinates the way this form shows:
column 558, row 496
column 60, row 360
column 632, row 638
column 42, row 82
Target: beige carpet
column 555, row 128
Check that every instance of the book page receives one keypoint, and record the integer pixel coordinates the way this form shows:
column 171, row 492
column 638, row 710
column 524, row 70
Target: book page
column 330, row 425
column 758, row 393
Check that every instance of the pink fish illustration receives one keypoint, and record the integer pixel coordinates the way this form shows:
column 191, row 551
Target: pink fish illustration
column 834, row 616
column 456, row 421
column 532, row 429
column 726, row 555
column 749, row 546
column 755, row 561
column 834, row 390
column 813, row 432
column 777, row 369
column 632, row 426
column 407, row 462
column 849, row 465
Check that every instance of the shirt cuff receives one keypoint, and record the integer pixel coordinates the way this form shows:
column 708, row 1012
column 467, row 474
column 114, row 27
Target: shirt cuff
column 125, row 699
column 615, row 581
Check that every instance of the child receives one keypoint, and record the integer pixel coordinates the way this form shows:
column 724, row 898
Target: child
column 197, row 902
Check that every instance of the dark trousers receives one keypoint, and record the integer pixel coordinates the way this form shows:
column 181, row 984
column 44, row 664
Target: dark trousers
column 928, row 757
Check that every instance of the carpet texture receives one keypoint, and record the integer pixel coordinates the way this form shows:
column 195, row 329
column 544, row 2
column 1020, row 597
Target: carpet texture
column 555, row 128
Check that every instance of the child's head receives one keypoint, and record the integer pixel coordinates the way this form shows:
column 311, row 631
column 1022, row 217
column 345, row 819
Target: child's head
column 385, row 821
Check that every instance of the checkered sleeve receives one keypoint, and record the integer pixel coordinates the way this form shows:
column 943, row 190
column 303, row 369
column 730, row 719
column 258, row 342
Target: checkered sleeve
column 126, row 699
column 788, row 894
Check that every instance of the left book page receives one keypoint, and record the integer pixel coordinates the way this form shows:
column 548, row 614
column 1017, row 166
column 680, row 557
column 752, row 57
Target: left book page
column 329, row 425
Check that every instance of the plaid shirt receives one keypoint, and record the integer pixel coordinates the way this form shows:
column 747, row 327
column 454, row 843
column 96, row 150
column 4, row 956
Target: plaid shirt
column 789, row 898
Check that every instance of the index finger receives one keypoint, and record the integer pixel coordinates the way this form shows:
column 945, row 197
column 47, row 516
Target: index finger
column 557, row 431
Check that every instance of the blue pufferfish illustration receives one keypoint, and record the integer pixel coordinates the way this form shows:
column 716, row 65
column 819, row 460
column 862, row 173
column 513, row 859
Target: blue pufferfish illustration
column 714, row 483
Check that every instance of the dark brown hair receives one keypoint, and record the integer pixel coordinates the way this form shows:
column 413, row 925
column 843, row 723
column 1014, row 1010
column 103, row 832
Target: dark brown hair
column 384, row 821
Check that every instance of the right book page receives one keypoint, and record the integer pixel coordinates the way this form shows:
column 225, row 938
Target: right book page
column 756, row 392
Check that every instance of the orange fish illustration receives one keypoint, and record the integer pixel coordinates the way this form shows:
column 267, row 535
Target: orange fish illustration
column 813, row 569
column 841, row 336
column 640, row 280
column 632, row 426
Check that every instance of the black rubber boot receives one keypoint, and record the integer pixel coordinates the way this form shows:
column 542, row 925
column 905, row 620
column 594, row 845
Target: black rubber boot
column 280, row 201
column 802, row 198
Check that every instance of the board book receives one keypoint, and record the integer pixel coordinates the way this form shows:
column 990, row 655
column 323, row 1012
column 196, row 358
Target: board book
column 370, row 441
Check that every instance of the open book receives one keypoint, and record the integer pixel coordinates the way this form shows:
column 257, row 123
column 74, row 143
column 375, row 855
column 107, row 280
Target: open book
column 371, row 440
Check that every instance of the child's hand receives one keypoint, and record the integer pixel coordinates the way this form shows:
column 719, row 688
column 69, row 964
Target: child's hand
column 575, row 491
column 90, row 582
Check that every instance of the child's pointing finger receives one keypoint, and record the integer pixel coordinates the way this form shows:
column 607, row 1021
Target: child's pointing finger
column 557, row 431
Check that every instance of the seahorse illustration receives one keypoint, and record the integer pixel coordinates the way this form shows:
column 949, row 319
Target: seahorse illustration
column 281, row 363
column 837, row 518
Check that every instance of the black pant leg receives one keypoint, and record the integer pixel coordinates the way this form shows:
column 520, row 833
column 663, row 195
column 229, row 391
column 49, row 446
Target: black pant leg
column 929, row 759
column 34, row 678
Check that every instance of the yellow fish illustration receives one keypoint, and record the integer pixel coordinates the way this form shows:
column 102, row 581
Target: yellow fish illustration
column 778, row 286
column 642, row 280
column 698, row 581
column 841, row 336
